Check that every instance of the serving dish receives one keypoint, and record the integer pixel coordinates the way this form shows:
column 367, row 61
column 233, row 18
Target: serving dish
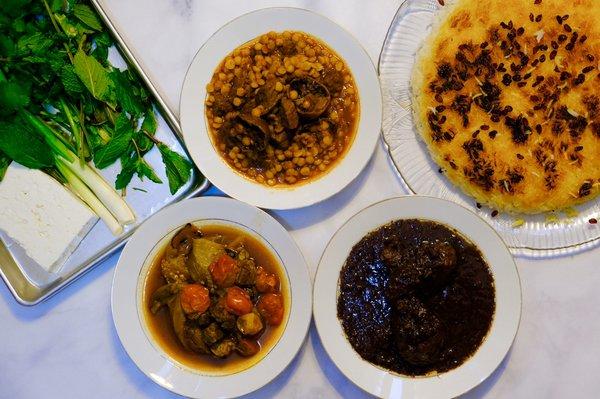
column 530, row 235
column 129, row 279
column 495, row 346
column 194, row 94
column 30, row 284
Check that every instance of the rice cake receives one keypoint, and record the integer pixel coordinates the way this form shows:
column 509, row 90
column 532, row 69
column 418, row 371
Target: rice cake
column 506, row 96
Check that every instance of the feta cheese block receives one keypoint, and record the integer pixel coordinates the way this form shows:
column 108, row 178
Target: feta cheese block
column 42, row 216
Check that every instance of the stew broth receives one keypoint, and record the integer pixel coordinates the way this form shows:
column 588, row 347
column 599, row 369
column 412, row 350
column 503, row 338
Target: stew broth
column 160, row 326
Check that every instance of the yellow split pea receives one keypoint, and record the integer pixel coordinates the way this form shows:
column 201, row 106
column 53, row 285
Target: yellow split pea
column 263, row 122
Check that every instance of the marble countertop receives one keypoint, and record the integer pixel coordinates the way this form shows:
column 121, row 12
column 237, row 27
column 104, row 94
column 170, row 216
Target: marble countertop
column 67, row 347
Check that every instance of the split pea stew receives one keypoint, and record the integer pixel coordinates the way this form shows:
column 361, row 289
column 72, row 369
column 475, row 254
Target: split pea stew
column 282, row 108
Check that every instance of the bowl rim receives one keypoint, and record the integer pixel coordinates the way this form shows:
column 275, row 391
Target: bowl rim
column 495, row 346
column 143, row 278
column 247, row 27
column 130, row 324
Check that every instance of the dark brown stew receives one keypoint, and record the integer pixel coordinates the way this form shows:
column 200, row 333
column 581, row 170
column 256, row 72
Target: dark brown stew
column 416, row 297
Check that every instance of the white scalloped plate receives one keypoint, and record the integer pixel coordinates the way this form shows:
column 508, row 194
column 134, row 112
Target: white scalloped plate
column 536, row 237
column 386, row 384
column 240, row 31
column 127, row 288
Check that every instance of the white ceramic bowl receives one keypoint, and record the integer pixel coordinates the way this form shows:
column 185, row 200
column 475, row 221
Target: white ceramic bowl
column 130, row 274
column 383, row 383
column 240, row 31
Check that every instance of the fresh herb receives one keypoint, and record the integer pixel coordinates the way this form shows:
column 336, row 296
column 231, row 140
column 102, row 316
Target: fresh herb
column 178, row 168
column 59, row 92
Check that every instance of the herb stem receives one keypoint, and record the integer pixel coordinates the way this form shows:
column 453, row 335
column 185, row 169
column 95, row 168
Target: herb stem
column 152, row 138
column 75, row 131
column 53, row 20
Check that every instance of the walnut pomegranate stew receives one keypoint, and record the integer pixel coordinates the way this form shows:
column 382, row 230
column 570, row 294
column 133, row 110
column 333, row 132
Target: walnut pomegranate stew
column 282, row 108
column 214, row 300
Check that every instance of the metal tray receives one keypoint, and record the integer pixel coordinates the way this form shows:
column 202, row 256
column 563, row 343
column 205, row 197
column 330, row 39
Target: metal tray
column 28, row 282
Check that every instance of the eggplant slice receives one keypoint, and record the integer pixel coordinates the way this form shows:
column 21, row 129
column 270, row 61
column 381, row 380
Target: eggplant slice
column 313, row 97
column 267, row 97
column 288, row 114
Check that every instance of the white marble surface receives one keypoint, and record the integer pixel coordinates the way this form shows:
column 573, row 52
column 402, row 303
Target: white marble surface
column 67, row 347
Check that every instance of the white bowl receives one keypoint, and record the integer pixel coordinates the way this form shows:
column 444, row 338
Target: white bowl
column 240, row 31
column 128, row 314
column 381, row 382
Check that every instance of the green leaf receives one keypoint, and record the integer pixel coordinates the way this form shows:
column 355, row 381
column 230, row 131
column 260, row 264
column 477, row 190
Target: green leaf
column 150, row 123
column 93, row 75
column 4, row 163
column 13, row 7
column 103, row 42
column 23, row 145
column 128, row 168
column 12, row 97
column 145, row 170
column 124, row 94
column 7, row 46
column 36, row 43
column 88, row 16
column 69, row 28
column 118, row 144
column 70, row 81
column 131, row 166
column 178, row 169
column 65, row 6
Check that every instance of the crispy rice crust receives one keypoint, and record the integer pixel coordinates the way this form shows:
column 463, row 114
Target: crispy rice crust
column 506, row 95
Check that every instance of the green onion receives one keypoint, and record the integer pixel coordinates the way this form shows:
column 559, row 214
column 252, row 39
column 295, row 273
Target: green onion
column 65, row 157
column 78, row 187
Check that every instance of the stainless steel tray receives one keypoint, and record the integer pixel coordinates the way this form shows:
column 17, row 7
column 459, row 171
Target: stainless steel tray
column 28, row 282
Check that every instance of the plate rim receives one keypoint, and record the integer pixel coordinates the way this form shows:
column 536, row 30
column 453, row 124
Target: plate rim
column 346, row 169
column 128, row 322
column 516, row 250
column 410, row 391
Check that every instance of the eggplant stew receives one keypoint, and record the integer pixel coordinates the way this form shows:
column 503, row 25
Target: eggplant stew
column 214, row 294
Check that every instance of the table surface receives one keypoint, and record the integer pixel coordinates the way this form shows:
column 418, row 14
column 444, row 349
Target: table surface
column 67, row 346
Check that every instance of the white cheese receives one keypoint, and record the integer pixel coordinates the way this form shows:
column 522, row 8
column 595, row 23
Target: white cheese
column 42, row 216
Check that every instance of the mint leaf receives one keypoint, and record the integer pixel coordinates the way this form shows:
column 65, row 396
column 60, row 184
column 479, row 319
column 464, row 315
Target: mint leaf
column 150, row 123
column 86, row 15
column 21, row 144
column 4, row 163
column 12, row 97
column 13, row 7
column 178, row 169
column 124, row 93
column 70, row 81
column 93, row 75
column 134, row 165
column 128, row 168
column 145, row 170
column 36, row 43
column 118, row 144
column 7, row 46
column 65, row 6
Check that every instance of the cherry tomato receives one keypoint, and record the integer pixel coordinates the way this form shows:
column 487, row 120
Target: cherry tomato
column 270, row 306
column 224, row 271
column 194, row 298
column 266, row 282
column 238, row 301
